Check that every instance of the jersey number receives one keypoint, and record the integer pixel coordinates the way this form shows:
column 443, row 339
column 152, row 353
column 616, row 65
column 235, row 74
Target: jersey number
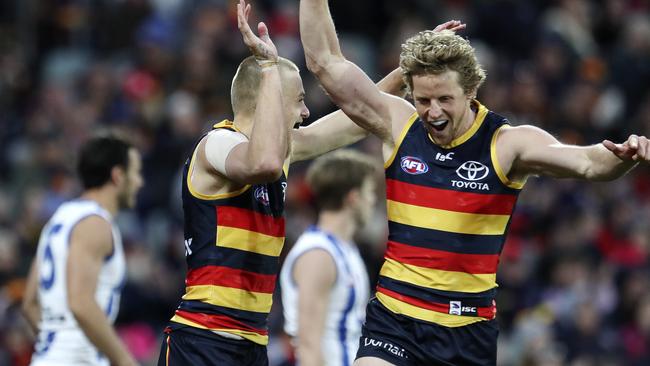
column 47, row 273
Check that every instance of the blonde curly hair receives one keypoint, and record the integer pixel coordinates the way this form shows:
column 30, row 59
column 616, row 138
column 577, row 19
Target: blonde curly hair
column 430, row 52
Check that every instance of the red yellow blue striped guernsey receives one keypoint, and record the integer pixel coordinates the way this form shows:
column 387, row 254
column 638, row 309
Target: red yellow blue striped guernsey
column 449, row 208
column 232, row 243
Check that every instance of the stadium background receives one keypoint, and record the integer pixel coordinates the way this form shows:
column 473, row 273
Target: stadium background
column 574, row 279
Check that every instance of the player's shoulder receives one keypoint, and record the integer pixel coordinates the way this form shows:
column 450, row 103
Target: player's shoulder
column 78, row 209
column 522, row 134
column 313, row 238
column 226, row 133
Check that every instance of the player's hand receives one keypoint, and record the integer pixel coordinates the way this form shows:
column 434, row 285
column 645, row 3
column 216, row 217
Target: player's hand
column 636, row 148
column 452, row 25
column 261, row 47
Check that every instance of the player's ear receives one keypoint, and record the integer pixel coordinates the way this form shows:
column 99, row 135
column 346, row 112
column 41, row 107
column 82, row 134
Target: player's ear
column 118, row 175
column 471, row 94
column 352, row 197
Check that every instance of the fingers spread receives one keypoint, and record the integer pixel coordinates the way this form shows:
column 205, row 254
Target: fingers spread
column 263, row 31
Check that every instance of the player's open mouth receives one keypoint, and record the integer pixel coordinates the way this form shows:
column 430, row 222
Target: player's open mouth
column 439, row 125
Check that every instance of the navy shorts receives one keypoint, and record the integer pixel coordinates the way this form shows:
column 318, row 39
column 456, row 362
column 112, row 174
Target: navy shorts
column 183, row 345
column 404, row 341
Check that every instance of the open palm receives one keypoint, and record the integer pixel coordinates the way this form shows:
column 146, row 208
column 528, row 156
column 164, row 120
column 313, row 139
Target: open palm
column 261, row 47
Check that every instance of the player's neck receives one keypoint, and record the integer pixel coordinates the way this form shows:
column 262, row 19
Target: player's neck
column 341, row 224
column 244, row 124
column 104, row 197
column 468, row 122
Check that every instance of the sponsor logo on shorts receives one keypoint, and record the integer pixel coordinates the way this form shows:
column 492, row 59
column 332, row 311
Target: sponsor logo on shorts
column 456, row 308
column 387, row 346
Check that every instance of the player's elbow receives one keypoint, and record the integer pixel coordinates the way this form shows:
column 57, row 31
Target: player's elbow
column 315, row 65
column 266, row 170
column 78, row 306
column 321, row 64
column 29, row 307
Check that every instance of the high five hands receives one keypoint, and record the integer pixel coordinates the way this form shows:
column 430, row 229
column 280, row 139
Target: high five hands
column 636, row 148
column 261, row 47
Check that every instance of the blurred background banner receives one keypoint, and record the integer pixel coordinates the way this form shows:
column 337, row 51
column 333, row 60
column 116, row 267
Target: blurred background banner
column 575, row 272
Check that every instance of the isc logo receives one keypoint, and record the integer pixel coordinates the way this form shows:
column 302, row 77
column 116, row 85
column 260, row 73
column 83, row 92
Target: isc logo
column 413, row 165
column 456, row 308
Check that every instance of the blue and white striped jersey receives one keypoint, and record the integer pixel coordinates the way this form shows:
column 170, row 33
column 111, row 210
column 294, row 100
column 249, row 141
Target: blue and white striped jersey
column 347, row 300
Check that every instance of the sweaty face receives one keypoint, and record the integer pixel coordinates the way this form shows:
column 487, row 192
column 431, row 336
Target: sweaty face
column 294, row 98
column 133, row 181
column 442, row 105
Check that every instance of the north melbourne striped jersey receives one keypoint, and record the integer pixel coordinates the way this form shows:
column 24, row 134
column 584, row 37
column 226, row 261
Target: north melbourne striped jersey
column 347, row 299
column 60, row 340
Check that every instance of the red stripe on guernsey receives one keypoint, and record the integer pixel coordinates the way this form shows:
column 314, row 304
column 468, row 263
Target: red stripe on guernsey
column 250, row 220
column 484, row 312
column 449, row 200
column 442, row 260
column 218, row 322
column 230, row 277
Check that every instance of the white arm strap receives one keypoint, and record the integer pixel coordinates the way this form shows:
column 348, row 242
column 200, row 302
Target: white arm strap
column 218, row 146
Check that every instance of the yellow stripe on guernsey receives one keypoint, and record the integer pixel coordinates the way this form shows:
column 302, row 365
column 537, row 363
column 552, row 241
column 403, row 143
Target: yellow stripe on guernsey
column 230, row 297
column 497, row 166
column 401, row 137
column 438, row 279
column 249, row 241
column 400, row 307
column 449, row 221
column 252, row 336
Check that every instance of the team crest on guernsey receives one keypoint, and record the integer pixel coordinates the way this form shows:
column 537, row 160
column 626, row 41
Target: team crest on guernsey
column 261, row 194
column 413, row 165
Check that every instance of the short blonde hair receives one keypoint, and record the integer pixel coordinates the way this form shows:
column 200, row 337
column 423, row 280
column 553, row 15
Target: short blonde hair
column 246, row 83
column 430, row 52
column 332, row 176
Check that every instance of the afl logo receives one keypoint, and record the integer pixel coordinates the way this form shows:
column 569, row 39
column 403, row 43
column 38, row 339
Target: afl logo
column 262, row 195
column 472, row 170
column 413, row 165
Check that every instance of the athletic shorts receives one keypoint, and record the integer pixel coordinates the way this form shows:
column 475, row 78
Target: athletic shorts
column 404, row 341
column 183, row 345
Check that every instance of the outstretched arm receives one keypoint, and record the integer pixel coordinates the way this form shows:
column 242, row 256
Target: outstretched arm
column 336, row 130
column 532, row 151
column 348, row 86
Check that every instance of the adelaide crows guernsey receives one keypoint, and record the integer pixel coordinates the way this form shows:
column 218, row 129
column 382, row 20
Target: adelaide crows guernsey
column 449, row 208
column 232, row 244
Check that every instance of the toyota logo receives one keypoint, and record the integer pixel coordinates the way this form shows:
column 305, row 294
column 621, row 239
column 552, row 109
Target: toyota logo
column 472, row 170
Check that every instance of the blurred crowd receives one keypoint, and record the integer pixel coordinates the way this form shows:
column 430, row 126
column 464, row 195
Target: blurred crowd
column 575, row 272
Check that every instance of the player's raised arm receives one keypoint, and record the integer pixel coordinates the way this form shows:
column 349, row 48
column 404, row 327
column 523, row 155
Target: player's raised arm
column 348, row 86
column 260, row 159
column 337, row 130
